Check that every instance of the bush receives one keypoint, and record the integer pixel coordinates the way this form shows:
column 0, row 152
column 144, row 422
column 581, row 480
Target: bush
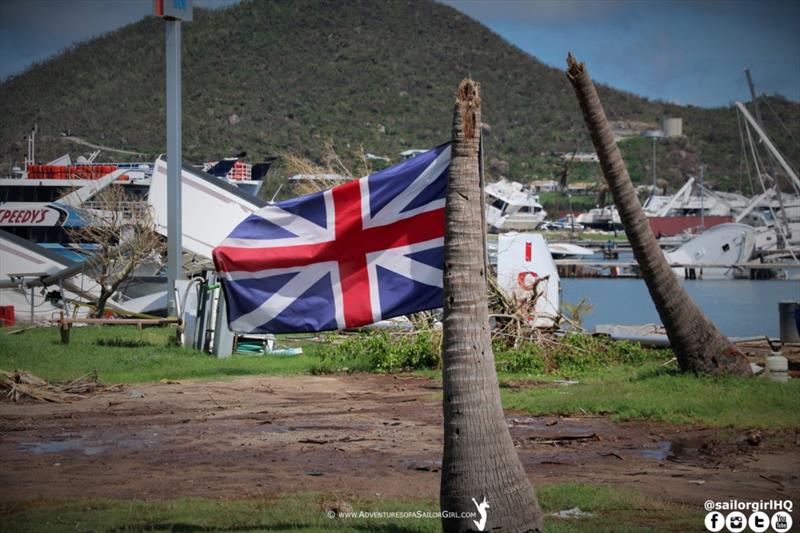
column 392, row 352
column 382, row 352
column 529, row 358
column 575, row 352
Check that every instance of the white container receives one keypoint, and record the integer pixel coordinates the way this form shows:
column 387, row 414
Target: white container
column 777, row 368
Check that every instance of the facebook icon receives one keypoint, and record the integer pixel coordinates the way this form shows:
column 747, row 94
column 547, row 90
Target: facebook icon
column 715, row 521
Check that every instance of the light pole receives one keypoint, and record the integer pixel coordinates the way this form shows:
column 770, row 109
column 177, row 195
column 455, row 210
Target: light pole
column 654, row 164
column 571, row 216
column 173, row 12
column 654, row 135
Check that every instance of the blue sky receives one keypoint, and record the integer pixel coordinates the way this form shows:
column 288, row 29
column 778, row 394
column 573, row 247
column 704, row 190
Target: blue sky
column 688, row 52
column 34, row 30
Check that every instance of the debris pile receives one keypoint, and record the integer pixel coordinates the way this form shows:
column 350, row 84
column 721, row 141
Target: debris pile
column 20, row 386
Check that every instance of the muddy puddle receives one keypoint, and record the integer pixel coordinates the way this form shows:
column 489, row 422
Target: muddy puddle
column 349, row 434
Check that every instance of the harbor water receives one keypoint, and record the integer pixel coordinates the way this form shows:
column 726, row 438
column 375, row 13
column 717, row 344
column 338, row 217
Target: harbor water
column 739, row 308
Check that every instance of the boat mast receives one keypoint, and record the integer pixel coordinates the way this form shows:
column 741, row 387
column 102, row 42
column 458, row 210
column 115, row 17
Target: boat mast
column 787, row 233
column 30, row 160
column 771, row 147
column 687, row 187
column 753, row 97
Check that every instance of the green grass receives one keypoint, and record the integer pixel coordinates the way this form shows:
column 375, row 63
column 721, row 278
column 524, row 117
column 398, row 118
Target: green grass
column 556, row 236
column 655, row 393
column 613, row 509
column 620, row 379
column 123, row 354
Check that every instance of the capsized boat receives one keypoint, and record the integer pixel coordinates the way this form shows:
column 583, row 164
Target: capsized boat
column 510, row 206
column 524, row 265
column 715, row 253
column 603, row 218
column 563, row 250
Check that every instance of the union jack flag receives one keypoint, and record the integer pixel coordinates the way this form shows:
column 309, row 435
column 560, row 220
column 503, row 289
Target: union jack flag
column 361, row 252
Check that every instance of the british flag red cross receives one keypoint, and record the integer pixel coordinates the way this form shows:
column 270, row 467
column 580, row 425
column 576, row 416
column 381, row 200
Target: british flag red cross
column 358, row 253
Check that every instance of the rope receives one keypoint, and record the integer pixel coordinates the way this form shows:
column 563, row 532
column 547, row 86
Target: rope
column 789, row 133
column 763, row 186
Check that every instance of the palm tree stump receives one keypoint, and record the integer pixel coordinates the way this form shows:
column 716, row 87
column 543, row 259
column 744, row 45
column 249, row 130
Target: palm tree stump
column 479, row 460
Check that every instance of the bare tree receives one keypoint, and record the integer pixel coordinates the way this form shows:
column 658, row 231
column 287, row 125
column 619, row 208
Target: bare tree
column 121, row 228
column 315, row 177
column 699, row 346
column 479, row 460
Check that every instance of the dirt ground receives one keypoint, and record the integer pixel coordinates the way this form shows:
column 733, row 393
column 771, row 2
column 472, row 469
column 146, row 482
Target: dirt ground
column 361, row 435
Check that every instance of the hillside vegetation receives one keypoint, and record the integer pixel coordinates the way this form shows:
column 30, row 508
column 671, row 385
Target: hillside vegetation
column 274, row 77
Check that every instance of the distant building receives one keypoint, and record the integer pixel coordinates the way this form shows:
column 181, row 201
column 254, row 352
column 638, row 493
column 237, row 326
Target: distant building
column 581, row 187
column 240, row 171
column 323, row 178
column 414, row 152
column 672, row 127
column 580, row 157
column 373, row 157
column 544, row 185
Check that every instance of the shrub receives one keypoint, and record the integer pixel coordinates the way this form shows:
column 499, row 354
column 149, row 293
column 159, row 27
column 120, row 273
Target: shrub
column 575, row 352
column 382, row 352
column 392, row 352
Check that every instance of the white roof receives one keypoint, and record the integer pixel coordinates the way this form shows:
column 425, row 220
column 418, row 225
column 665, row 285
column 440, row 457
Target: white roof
column 319, row 177
column 512, row 193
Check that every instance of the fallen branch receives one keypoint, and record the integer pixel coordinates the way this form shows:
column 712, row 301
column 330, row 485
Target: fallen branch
column 19, row 386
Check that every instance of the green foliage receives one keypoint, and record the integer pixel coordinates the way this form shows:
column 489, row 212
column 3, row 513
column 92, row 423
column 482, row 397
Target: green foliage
column 618, row 378
column 271, row 77
column 575, row 353
column 654, row 392
column 614, row 509
column 293, row 512
column 382, row 352
column 391, row 352
column 558, row 202
column 124, row 354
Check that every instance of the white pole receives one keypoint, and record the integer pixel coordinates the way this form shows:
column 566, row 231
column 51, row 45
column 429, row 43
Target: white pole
column 174, row 160
column 654, row 166
column 702, row 194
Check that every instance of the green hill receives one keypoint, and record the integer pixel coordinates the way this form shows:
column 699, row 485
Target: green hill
column 270, row 77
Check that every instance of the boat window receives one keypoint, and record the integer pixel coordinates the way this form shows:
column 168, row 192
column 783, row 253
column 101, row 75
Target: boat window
column 499, row 204
column 524, row 209
column 536, row 209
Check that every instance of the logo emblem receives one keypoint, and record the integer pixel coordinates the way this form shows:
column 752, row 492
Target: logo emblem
column 480, row 524
column 781, row 521
column 715, row 521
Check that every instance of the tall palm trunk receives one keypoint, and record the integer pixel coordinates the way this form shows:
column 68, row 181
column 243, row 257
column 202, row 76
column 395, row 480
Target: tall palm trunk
column 698, row 344
column 479, row 460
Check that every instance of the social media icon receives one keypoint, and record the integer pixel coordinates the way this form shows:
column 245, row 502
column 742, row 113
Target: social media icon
column 736, row 522
column 781, row 522
column 715, row 521
column 758, row 522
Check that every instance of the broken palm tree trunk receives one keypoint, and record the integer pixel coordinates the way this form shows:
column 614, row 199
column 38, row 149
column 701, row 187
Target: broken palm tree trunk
column 698, row 345
column 479, row 462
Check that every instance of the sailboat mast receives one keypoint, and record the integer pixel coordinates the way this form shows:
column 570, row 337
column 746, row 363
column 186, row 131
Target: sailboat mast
column 771, row 147
column 753, row 97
